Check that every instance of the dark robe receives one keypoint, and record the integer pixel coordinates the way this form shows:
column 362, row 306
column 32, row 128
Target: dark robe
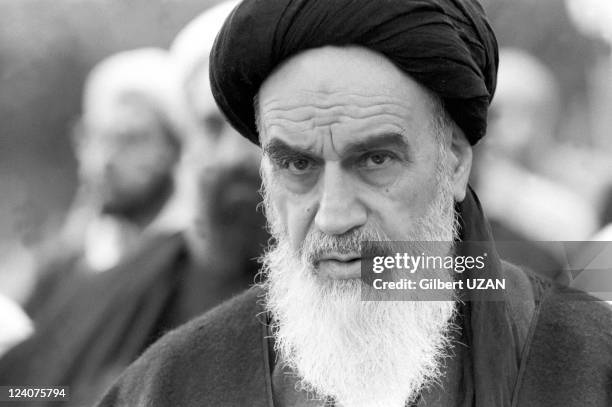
column 545, row 345
column 222, row 359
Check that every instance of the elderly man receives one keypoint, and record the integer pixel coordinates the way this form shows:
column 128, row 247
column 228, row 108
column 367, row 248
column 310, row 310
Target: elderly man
column 366, row 113
column 112, row 288
column 128, row 147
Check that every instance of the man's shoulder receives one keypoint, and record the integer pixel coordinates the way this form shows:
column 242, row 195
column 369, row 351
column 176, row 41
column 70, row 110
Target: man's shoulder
column 230, row 317
column 213, row 329
column 576, row 313
column 567, row 309
column 561, row 316
column 569, row 359
column 567, row 314
column 567, row 356
column 201, row 362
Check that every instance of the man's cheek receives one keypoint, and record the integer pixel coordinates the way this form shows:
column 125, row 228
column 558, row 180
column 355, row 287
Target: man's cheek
column 394, row 216
column 299, row 218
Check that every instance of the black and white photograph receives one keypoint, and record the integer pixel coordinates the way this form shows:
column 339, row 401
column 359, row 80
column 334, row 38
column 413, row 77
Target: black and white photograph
column 306, row 203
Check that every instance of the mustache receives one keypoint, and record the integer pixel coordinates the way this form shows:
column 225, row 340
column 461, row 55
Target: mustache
column 357, row 242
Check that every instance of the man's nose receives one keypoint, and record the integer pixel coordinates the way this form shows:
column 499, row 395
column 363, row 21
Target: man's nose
column 339, row 210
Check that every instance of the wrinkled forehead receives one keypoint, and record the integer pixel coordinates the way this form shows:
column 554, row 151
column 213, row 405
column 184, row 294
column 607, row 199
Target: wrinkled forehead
column 345, row 92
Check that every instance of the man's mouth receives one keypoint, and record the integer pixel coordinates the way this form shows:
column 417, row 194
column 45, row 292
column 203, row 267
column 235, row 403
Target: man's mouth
column 339, row 266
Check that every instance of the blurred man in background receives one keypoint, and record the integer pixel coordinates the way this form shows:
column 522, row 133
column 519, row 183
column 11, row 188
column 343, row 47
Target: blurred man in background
column 128, row 146
column 208, row 177
column 527, row 209
column 133, row 129
column 128, row 270
column 228, row 232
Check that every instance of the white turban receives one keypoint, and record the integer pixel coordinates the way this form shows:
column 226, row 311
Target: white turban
column 149, row 73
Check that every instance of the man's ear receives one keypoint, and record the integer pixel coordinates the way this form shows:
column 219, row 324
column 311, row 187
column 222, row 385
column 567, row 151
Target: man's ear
column 461, row 163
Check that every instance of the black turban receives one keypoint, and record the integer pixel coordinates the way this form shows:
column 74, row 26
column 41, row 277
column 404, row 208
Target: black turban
column 446, row 45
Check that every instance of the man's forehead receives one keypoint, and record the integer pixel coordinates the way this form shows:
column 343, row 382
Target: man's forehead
column 313, row 127
column 333, row 69
column 344, row 93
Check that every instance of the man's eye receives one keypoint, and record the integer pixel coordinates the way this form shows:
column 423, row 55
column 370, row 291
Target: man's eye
column 376, row 160
column 298, row 165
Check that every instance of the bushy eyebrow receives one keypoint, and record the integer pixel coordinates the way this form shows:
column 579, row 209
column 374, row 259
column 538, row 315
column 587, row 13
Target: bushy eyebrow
column 370, row 143
column 277, row 149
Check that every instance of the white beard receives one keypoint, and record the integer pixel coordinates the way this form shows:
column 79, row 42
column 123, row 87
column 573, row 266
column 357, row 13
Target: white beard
column 360, row 353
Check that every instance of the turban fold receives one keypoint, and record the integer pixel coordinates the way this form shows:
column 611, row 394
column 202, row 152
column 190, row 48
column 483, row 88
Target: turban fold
column 447, row 46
